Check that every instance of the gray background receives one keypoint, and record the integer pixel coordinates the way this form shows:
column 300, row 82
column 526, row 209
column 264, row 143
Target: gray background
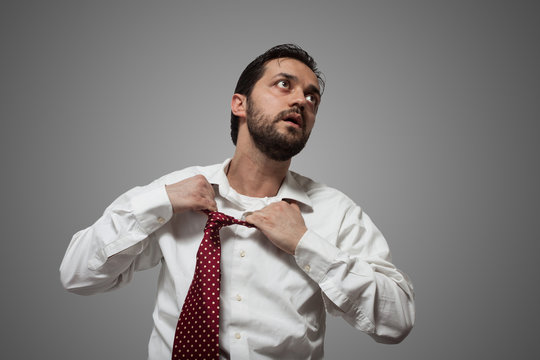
column 429, row 121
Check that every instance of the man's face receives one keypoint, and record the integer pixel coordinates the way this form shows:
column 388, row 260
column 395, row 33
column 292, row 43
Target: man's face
column 281, row 109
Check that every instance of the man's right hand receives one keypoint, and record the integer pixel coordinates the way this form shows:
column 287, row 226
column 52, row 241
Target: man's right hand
column 194, row 193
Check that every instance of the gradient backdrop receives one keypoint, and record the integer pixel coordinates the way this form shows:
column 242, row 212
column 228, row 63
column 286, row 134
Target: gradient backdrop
column 429, row 121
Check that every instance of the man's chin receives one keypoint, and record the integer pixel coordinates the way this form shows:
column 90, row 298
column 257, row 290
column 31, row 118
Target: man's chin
column 282, row 152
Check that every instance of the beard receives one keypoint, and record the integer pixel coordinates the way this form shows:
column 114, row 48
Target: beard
column 275, row 145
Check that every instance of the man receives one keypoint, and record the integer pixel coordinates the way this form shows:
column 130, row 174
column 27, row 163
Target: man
column 312, row 249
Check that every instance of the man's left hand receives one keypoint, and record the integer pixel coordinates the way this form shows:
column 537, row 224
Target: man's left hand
column 282, row 223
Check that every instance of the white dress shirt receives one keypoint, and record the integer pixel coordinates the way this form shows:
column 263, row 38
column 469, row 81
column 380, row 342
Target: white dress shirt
column 273, row 305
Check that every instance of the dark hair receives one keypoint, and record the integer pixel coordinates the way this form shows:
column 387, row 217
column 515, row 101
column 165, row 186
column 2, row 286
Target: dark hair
column 255, row 70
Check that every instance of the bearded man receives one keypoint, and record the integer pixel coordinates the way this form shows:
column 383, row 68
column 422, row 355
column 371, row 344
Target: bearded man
column 310, row 249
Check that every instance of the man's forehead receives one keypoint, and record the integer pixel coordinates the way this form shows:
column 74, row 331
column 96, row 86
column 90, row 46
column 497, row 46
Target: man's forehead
column 289, row 65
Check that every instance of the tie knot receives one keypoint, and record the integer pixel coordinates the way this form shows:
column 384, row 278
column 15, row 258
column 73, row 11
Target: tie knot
column 219, row 219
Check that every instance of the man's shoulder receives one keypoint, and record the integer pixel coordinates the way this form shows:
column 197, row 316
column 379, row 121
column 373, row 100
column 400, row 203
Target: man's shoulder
column 321, row 193
column 188, row 172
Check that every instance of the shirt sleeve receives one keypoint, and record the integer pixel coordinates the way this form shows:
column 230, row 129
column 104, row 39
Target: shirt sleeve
column 358, row 280
column 105, row 255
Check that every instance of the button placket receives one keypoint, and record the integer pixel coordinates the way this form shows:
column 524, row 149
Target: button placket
column 239, row 276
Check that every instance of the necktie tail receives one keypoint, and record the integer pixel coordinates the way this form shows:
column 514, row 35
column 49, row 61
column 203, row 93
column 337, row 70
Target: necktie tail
column 197, row 331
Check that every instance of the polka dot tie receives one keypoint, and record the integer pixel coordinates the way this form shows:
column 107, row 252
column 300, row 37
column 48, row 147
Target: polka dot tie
column 197, row 331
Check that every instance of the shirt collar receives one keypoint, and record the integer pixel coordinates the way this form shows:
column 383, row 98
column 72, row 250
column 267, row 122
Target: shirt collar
column 290, row 189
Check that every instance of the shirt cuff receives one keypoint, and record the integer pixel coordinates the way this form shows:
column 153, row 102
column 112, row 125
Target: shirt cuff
column 152, row 209
column 315, row 255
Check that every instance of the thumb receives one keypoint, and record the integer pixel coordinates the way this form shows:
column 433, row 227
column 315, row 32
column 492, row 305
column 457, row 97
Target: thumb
column 293, row 204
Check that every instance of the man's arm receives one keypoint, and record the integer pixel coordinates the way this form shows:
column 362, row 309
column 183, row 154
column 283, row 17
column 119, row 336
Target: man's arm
column 354, row 271
column 105, row 255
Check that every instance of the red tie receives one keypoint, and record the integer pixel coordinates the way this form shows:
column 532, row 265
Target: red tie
column 197, row 331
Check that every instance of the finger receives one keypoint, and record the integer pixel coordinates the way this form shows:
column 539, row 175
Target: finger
column 249, row 218
column 210, row 189
column 252, row 218
column 212, row 205
column 210, row 192
column 294, row 205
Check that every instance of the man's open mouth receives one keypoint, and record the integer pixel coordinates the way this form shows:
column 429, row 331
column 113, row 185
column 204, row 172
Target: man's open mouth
column 294, row 118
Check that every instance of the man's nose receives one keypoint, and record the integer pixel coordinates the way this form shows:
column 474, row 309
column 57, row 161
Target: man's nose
column 298, row 99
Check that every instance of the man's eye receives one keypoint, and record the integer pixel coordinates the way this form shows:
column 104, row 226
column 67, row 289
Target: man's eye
column 284, row 84
column 312, row 99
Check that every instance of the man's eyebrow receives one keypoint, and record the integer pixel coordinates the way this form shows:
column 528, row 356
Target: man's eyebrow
column 286, row 76
column 311, row 88
column 315, row 90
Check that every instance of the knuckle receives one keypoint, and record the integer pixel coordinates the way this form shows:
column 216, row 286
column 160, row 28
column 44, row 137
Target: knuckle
column 256, row 216
column 197, row 198
column 199, row 179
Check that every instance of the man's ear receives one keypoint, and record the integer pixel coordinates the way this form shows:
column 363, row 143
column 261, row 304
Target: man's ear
column 239, row 105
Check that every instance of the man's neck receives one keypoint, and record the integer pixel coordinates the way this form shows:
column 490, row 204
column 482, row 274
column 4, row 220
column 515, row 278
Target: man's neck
column 253, row 174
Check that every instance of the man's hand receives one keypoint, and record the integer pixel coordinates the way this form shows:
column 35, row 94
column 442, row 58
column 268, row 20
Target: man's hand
column 282, row 223
column 194, row 193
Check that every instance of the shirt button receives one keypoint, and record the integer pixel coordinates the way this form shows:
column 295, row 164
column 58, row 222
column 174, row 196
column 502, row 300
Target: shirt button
column 161, row 220
column 238, row 297
column 307, row 268
column 237, row 335
column 242, row 253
